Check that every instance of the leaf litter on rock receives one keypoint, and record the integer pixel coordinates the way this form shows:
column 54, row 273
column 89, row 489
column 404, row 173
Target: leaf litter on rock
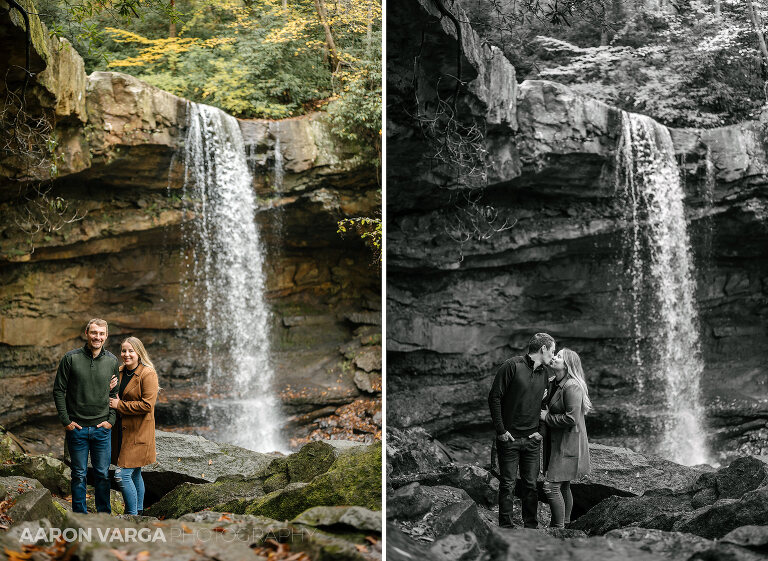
column 59, row 550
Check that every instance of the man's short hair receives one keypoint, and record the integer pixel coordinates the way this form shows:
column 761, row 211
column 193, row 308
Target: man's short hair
column 540, row 340
column 99, row 322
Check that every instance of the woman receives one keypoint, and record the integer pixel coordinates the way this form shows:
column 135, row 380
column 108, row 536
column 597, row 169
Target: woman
column 133, row 443
column 566, row 450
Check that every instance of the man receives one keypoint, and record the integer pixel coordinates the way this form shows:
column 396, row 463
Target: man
column 515, row 402
column 81, row 393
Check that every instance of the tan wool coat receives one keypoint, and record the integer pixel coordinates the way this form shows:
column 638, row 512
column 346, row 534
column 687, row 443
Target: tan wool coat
column 136, row 410
column 566, row 449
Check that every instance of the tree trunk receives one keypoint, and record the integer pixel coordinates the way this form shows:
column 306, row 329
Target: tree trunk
column 369, row 30
column 329, row 42
column 285, row 4
column 172, row 30
column 757, row 25
column 717, row 8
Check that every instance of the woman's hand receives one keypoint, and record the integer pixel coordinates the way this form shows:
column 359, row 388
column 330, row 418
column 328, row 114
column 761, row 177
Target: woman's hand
column 113, row 401
column 113, row 383
column 543, row 414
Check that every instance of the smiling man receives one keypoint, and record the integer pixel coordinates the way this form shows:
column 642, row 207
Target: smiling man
column 81, row 393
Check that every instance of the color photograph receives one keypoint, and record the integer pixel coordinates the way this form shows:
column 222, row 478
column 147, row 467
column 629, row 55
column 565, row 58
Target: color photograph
column 576, row 296
column 190, row 255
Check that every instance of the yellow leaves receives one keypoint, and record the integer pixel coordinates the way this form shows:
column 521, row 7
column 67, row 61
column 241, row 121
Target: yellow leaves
column 157, row 50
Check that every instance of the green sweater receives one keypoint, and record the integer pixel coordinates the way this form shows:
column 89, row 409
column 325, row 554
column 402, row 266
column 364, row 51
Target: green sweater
column 81, row 388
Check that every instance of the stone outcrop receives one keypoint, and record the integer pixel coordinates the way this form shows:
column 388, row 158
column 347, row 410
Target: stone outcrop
column 116, row 168
column 474, row 272
column 630, row 506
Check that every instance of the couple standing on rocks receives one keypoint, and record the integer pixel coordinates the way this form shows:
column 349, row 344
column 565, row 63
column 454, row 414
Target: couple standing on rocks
column 529, row 407
column 109, row 412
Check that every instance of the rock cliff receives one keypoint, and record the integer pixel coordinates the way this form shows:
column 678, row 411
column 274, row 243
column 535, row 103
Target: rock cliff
column 473, row 272
column 115, row 160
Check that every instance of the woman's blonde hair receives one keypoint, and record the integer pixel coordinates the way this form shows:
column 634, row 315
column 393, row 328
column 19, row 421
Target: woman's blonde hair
column 574, row 370
column 138, row 346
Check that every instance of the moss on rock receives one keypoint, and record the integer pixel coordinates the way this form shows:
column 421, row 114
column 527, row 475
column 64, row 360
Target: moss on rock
column 52, row 473
column 193, row 497
column 354, row 480
column 313, row 459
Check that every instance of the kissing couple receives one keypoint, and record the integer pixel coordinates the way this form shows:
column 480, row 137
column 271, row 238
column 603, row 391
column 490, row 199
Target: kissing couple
column 109, row 412
column 540, row 398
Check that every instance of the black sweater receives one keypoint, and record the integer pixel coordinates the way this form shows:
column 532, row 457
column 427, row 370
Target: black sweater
column 516, row 397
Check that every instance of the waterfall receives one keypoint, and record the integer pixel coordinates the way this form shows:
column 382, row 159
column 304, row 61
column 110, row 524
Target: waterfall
column 227, row 281
column 663, row 303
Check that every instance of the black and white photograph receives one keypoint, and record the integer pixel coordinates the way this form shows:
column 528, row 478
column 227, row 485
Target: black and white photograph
column 577, row 272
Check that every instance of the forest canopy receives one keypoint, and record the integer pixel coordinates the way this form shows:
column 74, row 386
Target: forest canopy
column 699, row 63
column 252, row 58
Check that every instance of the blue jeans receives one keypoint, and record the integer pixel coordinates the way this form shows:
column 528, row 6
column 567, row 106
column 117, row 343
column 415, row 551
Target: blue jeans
column 97, row 440
column 133, row 489
column 523, row 453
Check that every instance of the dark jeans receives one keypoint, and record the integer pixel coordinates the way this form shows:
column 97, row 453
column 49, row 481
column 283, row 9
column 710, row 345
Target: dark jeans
column 98, row 441
column 522, row 453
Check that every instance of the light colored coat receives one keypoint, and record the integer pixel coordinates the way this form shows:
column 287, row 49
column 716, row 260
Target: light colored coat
column 566, row 449
column 137, row 412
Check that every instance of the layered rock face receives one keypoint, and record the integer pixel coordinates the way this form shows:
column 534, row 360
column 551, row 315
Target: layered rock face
column 115, row 234
column 538, row 243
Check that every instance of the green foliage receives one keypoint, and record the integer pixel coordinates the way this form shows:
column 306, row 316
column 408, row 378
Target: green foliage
column 369, row 230
column 252, row 58
column 683, row 65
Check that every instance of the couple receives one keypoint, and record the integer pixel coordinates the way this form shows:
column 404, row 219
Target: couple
column 528, row 408
column 109, row 412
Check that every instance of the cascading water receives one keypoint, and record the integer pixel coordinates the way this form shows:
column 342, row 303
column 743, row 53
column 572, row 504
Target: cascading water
column 227, row 281
column 663, row 306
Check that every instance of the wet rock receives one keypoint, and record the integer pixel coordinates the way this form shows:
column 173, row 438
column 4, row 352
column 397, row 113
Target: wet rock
column 456, row 547
column 354, row 517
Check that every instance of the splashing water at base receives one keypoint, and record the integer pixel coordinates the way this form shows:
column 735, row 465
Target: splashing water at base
column 226, row 277
column 663, row 288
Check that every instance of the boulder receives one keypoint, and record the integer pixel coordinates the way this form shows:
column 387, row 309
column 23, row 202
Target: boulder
column 115, row 501
column 740, row 476
column 411, row 454
column 668, row 545
column 34, row 504
column 354, row 517
column 623, row 472
column 652, row 510
column 414, row 500
column 456, row 547
column 10, row 447
column 52, row 473
column 402, row 548
column 459, row 518
column 748, row 536
column 480, row 484
column 354, row 480
column 183, row 458
column 503, row 544
column 192, row 497
column 716, row 520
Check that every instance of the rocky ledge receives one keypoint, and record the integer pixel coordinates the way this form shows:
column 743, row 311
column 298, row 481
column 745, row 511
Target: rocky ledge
column 630, row 507
column 323, row 502
column 115, row 168
column 531, row 234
